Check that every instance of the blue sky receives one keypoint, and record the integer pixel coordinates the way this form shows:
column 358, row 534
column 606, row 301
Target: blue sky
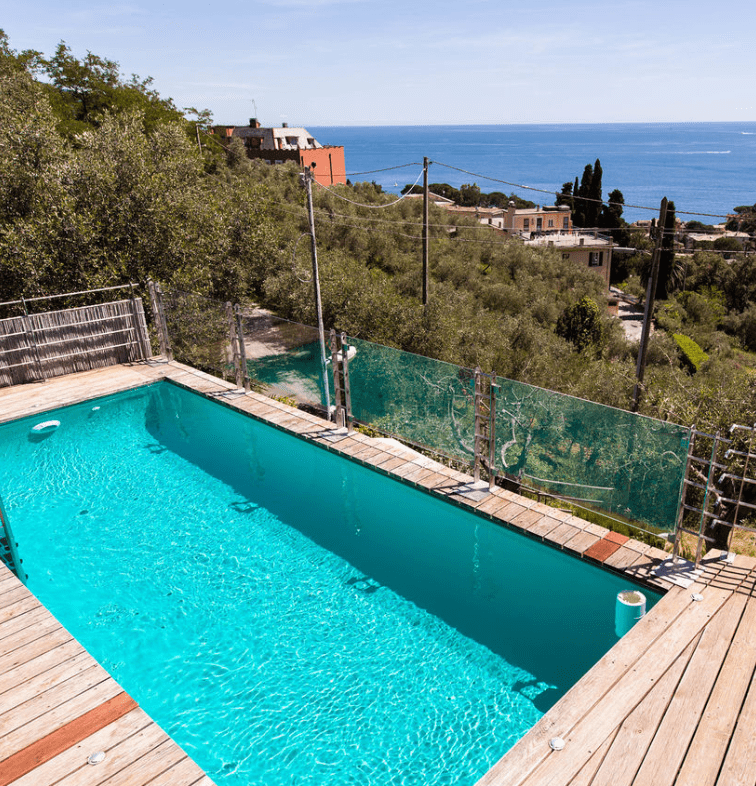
column 368, row 62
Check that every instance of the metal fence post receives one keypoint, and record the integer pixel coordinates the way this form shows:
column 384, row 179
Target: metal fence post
column 156, row 297
column 140, row 326
column 340, row 365
column 242, row 348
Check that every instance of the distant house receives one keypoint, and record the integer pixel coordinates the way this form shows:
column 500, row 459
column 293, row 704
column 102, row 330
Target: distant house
column 529, row 220
column 582, row 246
column 277, row 145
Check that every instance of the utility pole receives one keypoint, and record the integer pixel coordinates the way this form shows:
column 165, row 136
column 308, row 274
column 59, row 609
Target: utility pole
column 649, row 310
column 425, row 231
column 307, row 177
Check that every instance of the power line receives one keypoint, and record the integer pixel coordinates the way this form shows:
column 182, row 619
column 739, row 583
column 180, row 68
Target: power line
column 385, row 169
column 573, row 196
column 372, row 207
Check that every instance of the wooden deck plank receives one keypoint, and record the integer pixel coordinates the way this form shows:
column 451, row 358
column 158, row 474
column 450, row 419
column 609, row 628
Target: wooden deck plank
column 668, row 748
column 24, row 690
column 587, row 773
column 22, row 621
column 628, row 690
column 185, row 773
column 561, row 534
column 38, row 665
column 45, row 748
column 45, row 701
column 149, row 766
column 58, row 716
column 122, row 755
column 9, row 660
column 518, row 763
column 580, row 543
column 12, row 596
column 740, row 762
column 44, row 624
column 75, row 757
column 709, row 746
column 626, row 753
column 545, row 527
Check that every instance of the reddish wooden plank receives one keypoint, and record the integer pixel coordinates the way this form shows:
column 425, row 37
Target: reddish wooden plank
column 24, row 761
column 602, row 550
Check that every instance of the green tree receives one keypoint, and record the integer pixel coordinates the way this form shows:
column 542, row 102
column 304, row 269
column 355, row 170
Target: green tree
column 582, row 324
column 594, row 194
column 469, row 195
column 670, row 271
column 82, row 92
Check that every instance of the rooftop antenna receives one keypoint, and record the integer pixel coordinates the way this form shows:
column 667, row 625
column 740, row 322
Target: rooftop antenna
column 254, row 104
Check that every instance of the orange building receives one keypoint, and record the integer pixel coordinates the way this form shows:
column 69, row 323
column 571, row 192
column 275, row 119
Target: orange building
column 277, row 145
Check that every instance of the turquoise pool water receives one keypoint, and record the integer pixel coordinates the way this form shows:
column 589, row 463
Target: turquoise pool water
column 290, row 617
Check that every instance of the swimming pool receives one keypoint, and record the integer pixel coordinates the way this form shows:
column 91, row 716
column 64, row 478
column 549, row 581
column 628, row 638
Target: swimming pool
column 286, row 615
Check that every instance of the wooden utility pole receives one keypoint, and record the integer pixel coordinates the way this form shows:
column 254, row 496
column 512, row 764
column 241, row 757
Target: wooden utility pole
column 425, row 231
column 307, row 178
column 649, row 311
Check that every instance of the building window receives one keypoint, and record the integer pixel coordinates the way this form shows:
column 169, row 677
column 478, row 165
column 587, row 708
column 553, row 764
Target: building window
column 539, row 223
column 565, row 256
column 596, row 259
column 526, row 223
column 565, row 223
column 551, row 223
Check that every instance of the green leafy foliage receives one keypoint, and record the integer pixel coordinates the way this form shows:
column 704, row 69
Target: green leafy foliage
column 103, row 182
column 693, row 355
column 581, row 324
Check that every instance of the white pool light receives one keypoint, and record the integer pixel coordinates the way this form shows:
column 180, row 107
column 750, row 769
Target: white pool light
column 46, row 426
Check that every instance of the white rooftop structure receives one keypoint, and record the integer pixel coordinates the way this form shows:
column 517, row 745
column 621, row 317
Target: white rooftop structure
column 283, row 138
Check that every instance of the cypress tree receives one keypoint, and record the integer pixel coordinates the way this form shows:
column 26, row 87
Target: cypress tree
column 668, row 271
column 593, row 207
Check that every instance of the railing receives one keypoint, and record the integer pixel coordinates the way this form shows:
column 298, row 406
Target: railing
column 719, row 490
column 8, row 546
column 624, row 466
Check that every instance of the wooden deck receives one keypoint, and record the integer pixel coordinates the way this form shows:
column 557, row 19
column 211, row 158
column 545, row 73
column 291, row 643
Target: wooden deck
column 58, row 706
column 674, row 702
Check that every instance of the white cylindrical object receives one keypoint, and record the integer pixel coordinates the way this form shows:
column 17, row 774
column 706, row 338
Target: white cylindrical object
column 631, row 606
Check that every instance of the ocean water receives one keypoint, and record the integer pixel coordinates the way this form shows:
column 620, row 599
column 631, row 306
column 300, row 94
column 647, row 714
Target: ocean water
column 290, row 617
column 702, row 167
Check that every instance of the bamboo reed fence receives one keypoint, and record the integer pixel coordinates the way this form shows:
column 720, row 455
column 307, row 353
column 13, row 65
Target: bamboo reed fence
column 49, row 344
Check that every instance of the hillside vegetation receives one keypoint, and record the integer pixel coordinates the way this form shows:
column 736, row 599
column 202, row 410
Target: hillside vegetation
column 103, row 182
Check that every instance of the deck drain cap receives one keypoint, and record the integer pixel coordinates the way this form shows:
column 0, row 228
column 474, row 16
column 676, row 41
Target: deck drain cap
column 96, row 758
column 556, row 743
column 696, row 596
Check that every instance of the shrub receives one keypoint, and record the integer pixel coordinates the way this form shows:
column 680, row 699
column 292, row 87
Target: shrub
column 692, row 354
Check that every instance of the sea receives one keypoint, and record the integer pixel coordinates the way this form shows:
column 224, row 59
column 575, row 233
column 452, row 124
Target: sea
column 705, row 168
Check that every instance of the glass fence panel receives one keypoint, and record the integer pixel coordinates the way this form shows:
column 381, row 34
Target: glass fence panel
column 425, row 401
column 199, row 332
column 627, row 464
column 283, row 357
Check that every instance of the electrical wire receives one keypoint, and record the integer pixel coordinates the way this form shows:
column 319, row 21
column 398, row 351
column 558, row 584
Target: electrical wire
column 372, row 207
column 585, row 199
column 385, row 169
